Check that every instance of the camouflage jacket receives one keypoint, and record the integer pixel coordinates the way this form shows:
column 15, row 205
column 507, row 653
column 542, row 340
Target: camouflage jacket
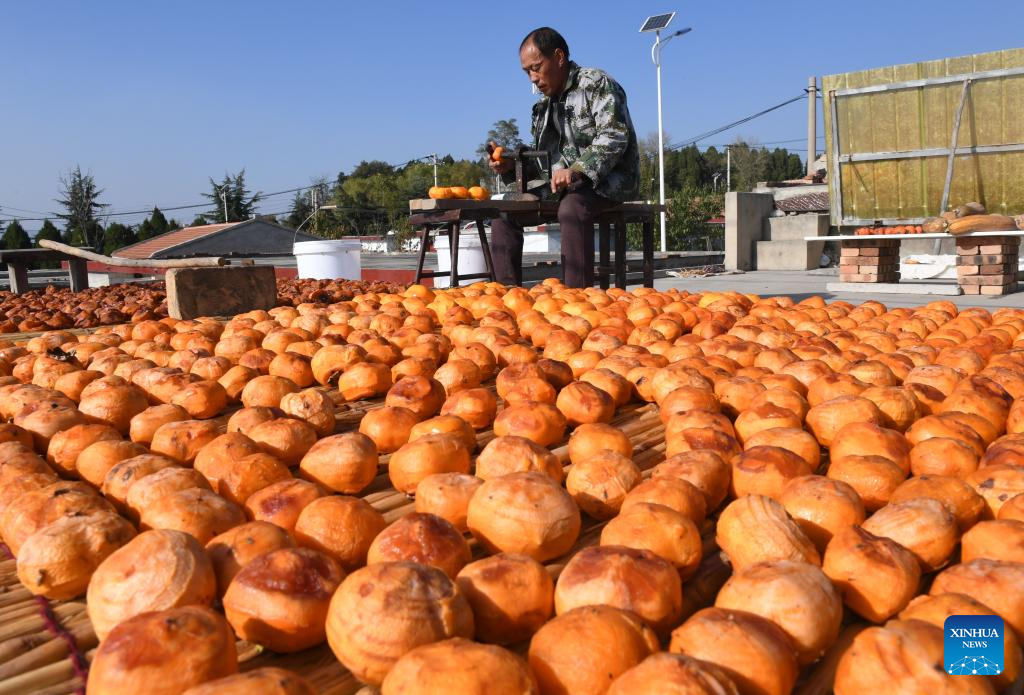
column 597, row 137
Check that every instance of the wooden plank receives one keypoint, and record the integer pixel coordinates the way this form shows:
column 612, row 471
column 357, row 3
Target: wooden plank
column 453, row 245
column 424, row 242
column 620, row 253
column 34, row 255
column 930, row 235
column 435, row 217
column 17, row 273
column 498, row 206
column 78, row 274
column 428, row 204
column 486, row 246
column 604, row 251
column 117, row 262
column 648, row 248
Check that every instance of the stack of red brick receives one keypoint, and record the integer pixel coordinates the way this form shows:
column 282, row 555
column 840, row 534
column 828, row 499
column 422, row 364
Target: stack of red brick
column 987, row 265
column 870, row 260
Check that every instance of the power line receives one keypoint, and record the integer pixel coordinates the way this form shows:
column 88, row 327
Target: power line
column 722, row 129
column 148, row 210
column 12, row 207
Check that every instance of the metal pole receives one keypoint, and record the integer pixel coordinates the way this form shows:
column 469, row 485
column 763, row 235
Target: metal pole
column 728, row 169
column 661, row 146
column 812, row 124
column 435, row 169
column 224, row 197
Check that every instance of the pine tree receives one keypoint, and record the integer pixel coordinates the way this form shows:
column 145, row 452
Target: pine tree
column 48, row 231
column 232, row 193
column 302, row 208
column 154, row 225
column 117, row 236
column 80, row 199
column 16, row 237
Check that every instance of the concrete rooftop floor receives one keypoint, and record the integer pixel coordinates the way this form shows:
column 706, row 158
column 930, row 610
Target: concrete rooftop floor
column 802, row 284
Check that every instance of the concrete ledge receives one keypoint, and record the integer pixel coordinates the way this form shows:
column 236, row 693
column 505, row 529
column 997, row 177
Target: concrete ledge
column 947, row 290
column 789, row 255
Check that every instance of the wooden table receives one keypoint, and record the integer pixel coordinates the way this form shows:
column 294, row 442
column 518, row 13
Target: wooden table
column 451, row 214
column 987, row 262
column 18, row 260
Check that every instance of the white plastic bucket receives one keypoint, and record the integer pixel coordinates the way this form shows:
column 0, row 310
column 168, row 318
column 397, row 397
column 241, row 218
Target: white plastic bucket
column 328, row 259
column 471, row 258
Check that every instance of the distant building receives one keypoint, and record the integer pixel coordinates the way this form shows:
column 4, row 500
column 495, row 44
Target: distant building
column 256, row 237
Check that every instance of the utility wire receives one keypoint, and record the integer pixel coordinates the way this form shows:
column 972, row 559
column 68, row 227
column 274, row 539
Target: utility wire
column 171, row 208
column 704, row 136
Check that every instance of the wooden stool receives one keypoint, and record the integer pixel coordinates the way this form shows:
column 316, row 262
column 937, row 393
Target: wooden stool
column 453, row 228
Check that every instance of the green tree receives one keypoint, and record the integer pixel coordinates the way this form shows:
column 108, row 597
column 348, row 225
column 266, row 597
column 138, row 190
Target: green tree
column 687, row 226
column 47, row 231
column 686, row 168
column 715, row 161
column 198, row 221
column 504, row 133
column 231, row 193
column 302, row 208
column 154, row 225
column 15, row 237
column 782, row 165
column 648, row 167
column 749, row 165
column 91, row 235
column 366, row 169
column 80, row 200
column 118, row 236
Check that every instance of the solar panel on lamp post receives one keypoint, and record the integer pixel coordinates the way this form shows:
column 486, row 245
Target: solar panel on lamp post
column 656, row 23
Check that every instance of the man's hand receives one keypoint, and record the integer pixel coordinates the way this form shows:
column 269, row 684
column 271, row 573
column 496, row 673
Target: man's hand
column 563, row 178
column 501, row 166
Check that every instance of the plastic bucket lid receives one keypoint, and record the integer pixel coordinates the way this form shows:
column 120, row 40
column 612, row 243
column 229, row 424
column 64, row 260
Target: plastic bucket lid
column 326, row 246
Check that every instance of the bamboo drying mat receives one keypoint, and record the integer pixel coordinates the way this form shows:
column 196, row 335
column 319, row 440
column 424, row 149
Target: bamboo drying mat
column 35, row 634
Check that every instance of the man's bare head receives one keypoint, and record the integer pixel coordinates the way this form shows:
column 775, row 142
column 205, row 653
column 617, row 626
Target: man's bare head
column 544, row 55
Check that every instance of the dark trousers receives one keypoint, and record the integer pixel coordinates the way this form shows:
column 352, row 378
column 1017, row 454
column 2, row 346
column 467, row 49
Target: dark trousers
column 576, row 214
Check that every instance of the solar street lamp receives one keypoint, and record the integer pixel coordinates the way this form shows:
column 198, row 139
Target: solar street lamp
column 657, row 23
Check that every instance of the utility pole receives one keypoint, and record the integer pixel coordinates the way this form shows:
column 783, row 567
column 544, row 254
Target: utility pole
column 314, row 197
column 224, row 197
column 812, row 124
column 728, row 169
column 434, row 157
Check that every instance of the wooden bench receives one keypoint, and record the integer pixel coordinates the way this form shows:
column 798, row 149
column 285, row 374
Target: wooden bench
column 18, row 260
column 450, row 215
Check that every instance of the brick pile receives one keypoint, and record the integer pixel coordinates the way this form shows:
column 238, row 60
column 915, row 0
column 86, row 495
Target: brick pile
column 870, row 260
column 987, row 265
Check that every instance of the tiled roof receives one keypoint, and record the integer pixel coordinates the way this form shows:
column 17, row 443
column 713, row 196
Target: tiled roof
column 150, row 247
column 808, row 202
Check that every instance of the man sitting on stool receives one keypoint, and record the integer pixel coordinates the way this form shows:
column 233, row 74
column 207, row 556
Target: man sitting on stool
column 582, row 122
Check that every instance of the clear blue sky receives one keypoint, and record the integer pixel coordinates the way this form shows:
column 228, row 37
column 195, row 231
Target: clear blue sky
column 154, row 98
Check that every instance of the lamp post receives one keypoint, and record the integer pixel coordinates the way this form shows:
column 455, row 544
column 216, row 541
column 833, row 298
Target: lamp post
column 656, row 24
